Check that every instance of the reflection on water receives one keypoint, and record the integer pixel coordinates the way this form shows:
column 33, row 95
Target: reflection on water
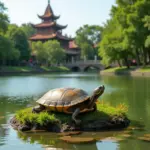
column 19, row 92
column 107, row 145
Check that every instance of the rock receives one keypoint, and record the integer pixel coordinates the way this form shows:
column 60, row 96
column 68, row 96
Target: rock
column 2, row 117
column 35, row 131
column 91, row 125
column 135, row 128
column 147, row 139
column 125, row 135
column 147, row 135
column 70, row 133
column 24, row 128
column 75, row 140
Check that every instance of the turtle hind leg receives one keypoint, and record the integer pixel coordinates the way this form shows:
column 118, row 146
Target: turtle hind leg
column 75, row 114
column 38, row 109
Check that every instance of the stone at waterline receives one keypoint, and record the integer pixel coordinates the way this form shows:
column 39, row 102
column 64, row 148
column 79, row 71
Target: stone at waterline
column 75, row 140
column 93, row 125
column 1, row 117
column 69, row 133
column 146, row 137
column 125, row 135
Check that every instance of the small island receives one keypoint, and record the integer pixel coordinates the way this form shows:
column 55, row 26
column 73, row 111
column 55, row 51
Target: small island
column 105, row 118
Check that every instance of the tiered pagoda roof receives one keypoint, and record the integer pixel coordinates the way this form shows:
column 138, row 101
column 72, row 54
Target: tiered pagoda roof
column 51, row 36
column 49, row 24
column 49, row 29
column 49, row 13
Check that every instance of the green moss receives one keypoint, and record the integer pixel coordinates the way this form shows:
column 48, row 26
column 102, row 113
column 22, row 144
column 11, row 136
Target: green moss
column 104, row 111
column 27, row 117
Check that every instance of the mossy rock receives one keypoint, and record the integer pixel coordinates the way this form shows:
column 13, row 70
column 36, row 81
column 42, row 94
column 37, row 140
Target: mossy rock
column 105, row 118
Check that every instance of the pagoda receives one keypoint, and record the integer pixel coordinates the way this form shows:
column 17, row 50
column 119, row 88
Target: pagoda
column 49, row 29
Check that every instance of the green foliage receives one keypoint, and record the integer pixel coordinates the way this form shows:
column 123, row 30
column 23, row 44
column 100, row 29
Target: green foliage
column 27, row 117
column 20, row 41
column 7, row 50
column 44, row 118
column 125, row 35
column 54, row 51
column 87, row 36
column 104, row 110
column 49, row 52
column 146, row 20
column 3, row 19
column 28, row 29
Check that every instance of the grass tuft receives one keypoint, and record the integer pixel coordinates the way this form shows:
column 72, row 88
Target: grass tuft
column 44, row 118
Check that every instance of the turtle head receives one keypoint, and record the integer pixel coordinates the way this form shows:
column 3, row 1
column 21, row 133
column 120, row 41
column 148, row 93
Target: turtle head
column 97, row 92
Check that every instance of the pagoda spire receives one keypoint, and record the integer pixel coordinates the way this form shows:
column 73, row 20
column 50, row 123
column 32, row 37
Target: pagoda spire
column 48, row 1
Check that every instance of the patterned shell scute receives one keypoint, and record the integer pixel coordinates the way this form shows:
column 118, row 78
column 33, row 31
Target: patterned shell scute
column 63, row 97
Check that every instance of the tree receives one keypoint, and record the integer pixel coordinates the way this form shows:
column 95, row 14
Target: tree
column 20, row 41
column 7, row 51
column 39, row 51
column 55, row 52
column 3, row 19
column 87, row 36
column 28, row 29
column 49, row 52
column 128, row 15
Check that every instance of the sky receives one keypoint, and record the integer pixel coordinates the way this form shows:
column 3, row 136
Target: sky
column 74, row 13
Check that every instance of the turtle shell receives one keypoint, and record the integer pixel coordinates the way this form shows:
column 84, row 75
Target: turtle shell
column 62, row 99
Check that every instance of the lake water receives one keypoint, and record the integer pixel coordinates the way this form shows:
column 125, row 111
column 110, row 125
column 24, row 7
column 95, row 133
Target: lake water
column 17, row 92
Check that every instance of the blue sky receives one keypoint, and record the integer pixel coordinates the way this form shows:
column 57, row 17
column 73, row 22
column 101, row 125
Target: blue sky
column 75, row 13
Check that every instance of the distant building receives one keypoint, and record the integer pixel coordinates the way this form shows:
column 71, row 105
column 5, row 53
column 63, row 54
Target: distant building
column 49, row 29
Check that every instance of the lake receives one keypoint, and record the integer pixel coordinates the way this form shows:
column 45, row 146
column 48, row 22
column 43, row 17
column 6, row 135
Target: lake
column 18, row 92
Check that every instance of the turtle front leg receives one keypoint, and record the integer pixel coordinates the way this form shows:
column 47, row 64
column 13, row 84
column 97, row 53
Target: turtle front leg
column 38, row 109
column 75, row 114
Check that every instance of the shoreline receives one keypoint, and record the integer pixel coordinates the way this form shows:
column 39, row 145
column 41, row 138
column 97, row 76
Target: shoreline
column 133, row 73
column 25, row 70
column 29, row 72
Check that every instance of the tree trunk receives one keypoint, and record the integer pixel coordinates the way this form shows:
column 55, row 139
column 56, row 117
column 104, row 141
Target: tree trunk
column 144, row 56
column 126, row 62
column 138, row 57
column 148, row 55
column 119, row 63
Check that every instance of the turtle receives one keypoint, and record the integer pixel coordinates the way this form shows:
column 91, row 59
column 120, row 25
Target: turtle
column 69, row 100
